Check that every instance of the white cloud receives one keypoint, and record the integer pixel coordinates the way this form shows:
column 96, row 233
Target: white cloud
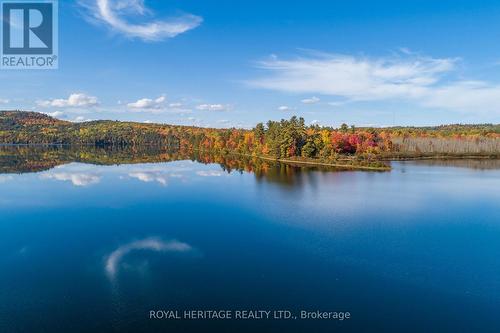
column 55, row 114
column 315, row 122
column 79, row 100
column 354, row 78
column 212, row 107
column 148, row 103
column 465, row 96
column 179, row 108
column 284, row 108
column 77, row 179
column 175, row 105
column 122, row 16
column 4, row 101
column 425, row 81
column 312, row 100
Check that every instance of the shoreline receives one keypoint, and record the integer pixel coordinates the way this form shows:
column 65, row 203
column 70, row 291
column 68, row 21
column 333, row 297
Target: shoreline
column 325, row 164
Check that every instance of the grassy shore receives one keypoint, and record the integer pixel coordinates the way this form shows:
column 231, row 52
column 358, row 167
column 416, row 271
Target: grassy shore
column 311, row 162
column 344, row 163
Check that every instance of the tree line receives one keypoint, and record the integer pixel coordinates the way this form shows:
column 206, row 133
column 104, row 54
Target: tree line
column 284, row 139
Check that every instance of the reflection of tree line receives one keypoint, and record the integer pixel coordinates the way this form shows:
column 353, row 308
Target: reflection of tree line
column 478, row 164
column 271, row 171
column 24, row 159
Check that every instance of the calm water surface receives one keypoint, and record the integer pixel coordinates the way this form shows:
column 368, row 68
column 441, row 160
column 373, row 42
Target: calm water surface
column 87, row 248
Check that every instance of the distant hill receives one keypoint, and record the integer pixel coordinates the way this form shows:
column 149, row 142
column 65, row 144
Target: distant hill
column 20, row 127
column 17, row 119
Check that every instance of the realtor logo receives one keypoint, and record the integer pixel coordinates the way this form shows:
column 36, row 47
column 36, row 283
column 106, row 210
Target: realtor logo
column 29, row 34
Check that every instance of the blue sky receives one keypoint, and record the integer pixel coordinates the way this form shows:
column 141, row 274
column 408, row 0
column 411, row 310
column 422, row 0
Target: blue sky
column 235, row 63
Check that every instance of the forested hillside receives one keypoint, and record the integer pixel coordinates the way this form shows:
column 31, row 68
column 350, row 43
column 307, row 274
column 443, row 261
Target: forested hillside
column 36, row 128
column 285, row 139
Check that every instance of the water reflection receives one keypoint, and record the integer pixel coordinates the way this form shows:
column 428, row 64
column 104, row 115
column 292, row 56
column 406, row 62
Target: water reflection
column 5, row 178
column 77, row 179
column 271, row 236
column 114, row 259
column 150, row 176
column 26, row 159
column 478, row 164
column 209, row 173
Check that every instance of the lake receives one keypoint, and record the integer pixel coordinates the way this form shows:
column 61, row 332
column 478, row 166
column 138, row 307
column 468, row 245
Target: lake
column 94, row 241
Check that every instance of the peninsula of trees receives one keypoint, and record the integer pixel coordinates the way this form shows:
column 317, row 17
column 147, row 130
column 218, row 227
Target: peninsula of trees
column 288, row 140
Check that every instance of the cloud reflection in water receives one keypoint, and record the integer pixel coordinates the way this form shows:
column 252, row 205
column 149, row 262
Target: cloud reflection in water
column 152, row 244
column 77, row 179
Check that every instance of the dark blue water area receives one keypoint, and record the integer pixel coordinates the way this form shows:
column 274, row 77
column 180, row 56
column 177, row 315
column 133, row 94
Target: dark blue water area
column 87, row 248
